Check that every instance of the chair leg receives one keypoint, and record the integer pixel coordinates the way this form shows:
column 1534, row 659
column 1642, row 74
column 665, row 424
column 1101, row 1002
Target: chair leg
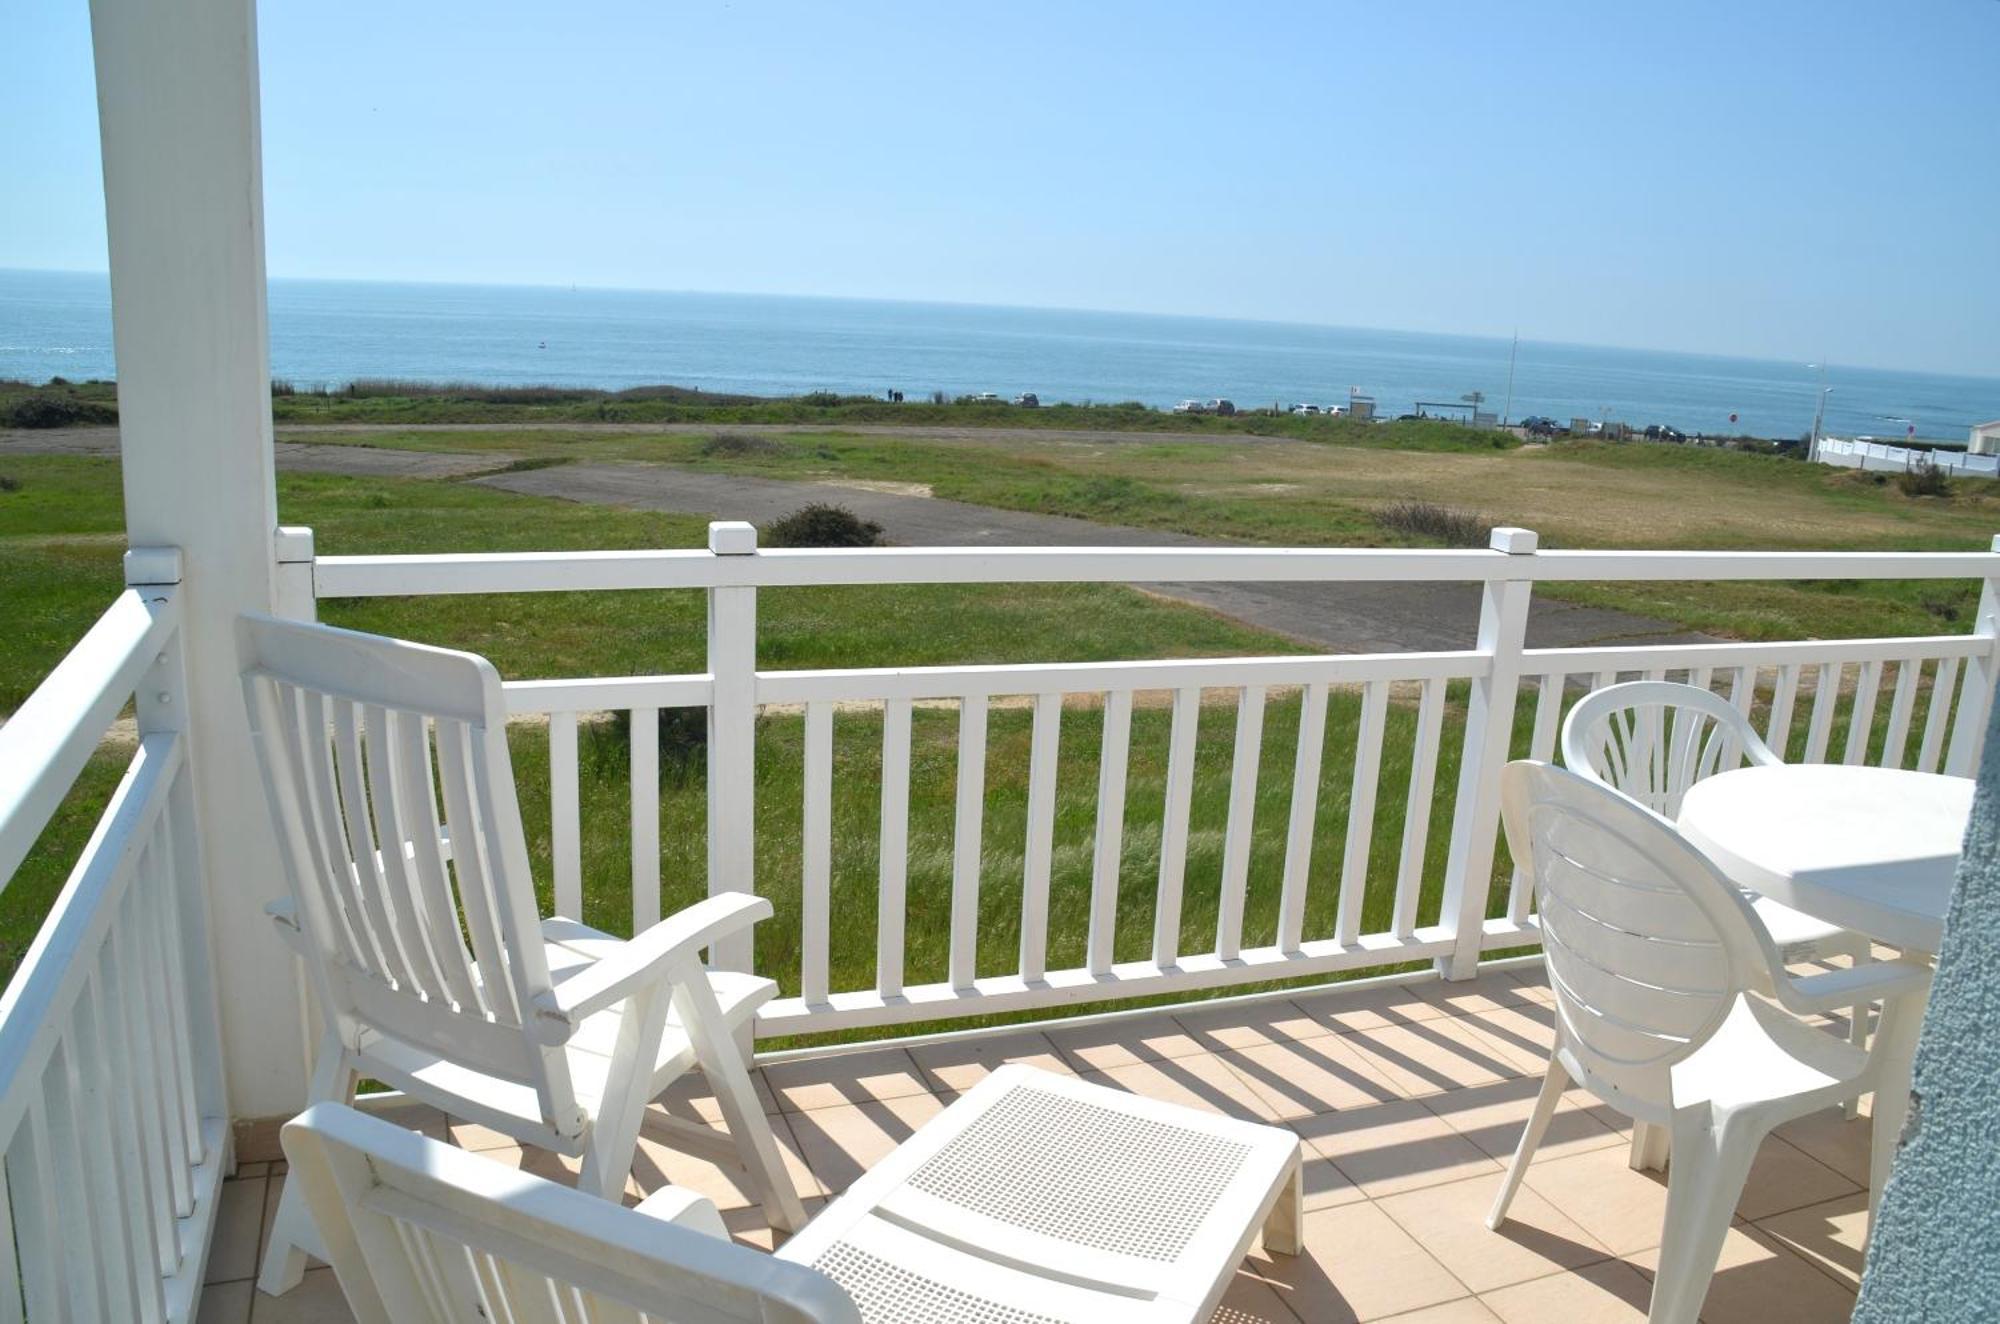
column 1284, row 1229
column 1709, row 1169
column 614, row 1132
column 293, row 1235
column 723, row 1065
column 1554, row 1081
column 1857, row 1026
column 1650, row 1147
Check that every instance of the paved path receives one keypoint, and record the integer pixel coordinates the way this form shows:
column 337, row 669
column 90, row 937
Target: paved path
column 1346, row 618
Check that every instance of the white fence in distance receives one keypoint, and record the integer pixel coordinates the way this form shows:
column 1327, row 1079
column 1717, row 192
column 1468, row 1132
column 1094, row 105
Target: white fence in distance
column 1879, row 457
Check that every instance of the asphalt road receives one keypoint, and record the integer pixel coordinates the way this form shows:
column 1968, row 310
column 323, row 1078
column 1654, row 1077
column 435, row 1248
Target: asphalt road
column 1342, row 618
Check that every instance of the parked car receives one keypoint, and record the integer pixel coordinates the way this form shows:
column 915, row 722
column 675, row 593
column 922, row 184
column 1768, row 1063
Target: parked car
column 1536, row 426
column 985, row 398
column 1305, row 409
column 1190, row 407
column 1223, row 407
column 1028, row 400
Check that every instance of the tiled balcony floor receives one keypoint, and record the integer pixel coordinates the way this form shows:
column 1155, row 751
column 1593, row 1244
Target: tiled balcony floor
column 1409, row 1098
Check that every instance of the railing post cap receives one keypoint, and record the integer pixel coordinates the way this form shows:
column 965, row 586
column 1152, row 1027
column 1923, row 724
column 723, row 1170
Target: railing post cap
column 151, row 566
column 733, row 537
column 1514, row 542
column 292, row 543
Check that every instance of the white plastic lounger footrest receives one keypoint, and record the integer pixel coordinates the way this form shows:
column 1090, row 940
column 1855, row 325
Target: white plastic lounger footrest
column 1038, row 1197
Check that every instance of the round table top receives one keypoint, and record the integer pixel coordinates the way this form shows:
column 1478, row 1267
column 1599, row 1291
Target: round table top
column 1869, row 849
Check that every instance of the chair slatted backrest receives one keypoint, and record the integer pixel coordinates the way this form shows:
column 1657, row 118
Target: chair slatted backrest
column 1648, row 946
column 386, row 767
column 421, row 1233
column 1654, row 739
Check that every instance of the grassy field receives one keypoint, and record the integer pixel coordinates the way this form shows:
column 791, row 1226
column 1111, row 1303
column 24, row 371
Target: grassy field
column 1329, row 492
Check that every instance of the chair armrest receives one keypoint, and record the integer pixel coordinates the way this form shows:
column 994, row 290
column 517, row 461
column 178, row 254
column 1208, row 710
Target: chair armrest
column 1874, row 982
column 645, row 959
column 677, row 1204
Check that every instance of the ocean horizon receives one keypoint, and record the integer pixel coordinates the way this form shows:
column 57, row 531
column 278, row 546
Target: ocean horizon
column 328, row 333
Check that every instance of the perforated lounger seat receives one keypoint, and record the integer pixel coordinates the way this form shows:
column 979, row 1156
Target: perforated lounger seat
column 1038, row 1197
column 571, row 948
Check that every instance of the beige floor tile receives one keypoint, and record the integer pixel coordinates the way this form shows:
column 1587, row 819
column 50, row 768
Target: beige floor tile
column 1483, row 992
column 1325, row 1184
column 1534, row 981
column 1121, row 1043
column 474, row 1137
column 239, row 1225
column 316, row 1300
column 962, row 1063
column 691, row 1097
column 1367, row 1008
column 1395, row 1146
column 248, row 1171
column 658, row 1164
column 1251, row 1025
column 1465, row 1310
column 1358, row 1265
column 749, row 1227
column 1785, row 1178
column 1305, row 1077
column 1251, row 1300
column 1522, row 1032
column 1608, row 1292
column 1832, row 1235
column 226, row 1303
column 411, row 1116
column 839, row 1144
column 1206, row 1082
column 1620, row 1208
column 1759, row 1281
column 1450, row 1222
column 1830, row 1138
column 1492, row 1117
column 845, row 1080
column 1430, row 1056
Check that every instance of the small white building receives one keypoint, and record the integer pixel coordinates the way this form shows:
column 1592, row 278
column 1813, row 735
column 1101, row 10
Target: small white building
column 1984, row 439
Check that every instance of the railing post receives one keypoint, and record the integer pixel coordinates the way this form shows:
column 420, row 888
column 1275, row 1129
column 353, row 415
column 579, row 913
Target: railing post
column 1489, row 733
column 292, row 548
column 1968, row 728
column 732, row 737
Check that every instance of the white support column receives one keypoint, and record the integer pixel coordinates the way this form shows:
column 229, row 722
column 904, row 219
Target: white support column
column 732, row 738
column 1968, row 728
column 183, row 193
column 1489, row 732
column 292, row 549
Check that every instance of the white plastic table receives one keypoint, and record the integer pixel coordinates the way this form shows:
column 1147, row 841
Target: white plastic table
column 1869, row 849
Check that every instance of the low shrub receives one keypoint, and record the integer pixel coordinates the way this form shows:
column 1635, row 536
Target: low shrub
column 9, row 483
column 1924, row 479
column 56, row 411
column 823, row 525
column 1435, row 523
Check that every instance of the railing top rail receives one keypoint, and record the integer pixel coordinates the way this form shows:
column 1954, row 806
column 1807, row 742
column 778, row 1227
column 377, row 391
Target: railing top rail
column 596, row 571
column 44, row 745
column 1777, row 653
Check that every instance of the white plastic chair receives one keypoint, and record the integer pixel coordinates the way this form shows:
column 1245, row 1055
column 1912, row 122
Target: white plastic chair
column 418, row 927
column 1652, row 740
column 1673, row 1007
column 1033, row 1199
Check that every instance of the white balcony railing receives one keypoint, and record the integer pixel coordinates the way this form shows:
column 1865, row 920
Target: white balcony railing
column 112, row 1114
column 1821, row 696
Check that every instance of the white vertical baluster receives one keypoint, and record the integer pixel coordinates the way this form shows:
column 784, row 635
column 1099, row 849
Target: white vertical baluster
column 893, row 879
column 565, row 816
column 1361, row 812
column 1417, row 810
column 967, row 838
column 1109, row 852
column 1826, row 695
column 645, row 818
column 816, row 896
column 32, row 1182
column 1937, row 714
column 1174, row 826
column 1861, row 719
column 1045, row 746
column 1784, row 695
column 1305, row 811
column 1242, row 814
column 1904, row 702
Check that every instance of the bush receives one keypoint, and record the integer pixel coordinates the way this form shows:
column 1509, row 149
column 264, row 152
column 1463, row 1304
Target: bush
column 733, row 445
column 57, row 411
column 8, row 483
column 1924, row 479
column 822, row 525
column 683, row 741
column 1435, row 523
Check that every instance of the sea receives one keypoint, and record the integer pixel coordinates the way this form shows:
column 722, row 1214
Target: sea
column 333, row 332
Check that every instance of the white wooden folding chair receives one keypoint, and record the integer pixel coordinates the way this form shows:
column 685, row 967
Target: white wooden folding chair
column 1673, row 1007
column 412, row 905
column 1652, row 740
column 1033, row 1199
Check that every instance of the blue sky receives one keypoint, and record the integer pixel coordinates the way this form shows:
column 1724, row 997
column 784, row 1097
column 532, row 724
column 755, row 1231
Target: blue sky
column 1781, row 180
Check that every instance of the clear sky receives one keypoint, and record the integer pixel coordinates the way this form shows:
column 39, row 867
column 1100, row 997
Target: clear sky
column 1776, row 178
